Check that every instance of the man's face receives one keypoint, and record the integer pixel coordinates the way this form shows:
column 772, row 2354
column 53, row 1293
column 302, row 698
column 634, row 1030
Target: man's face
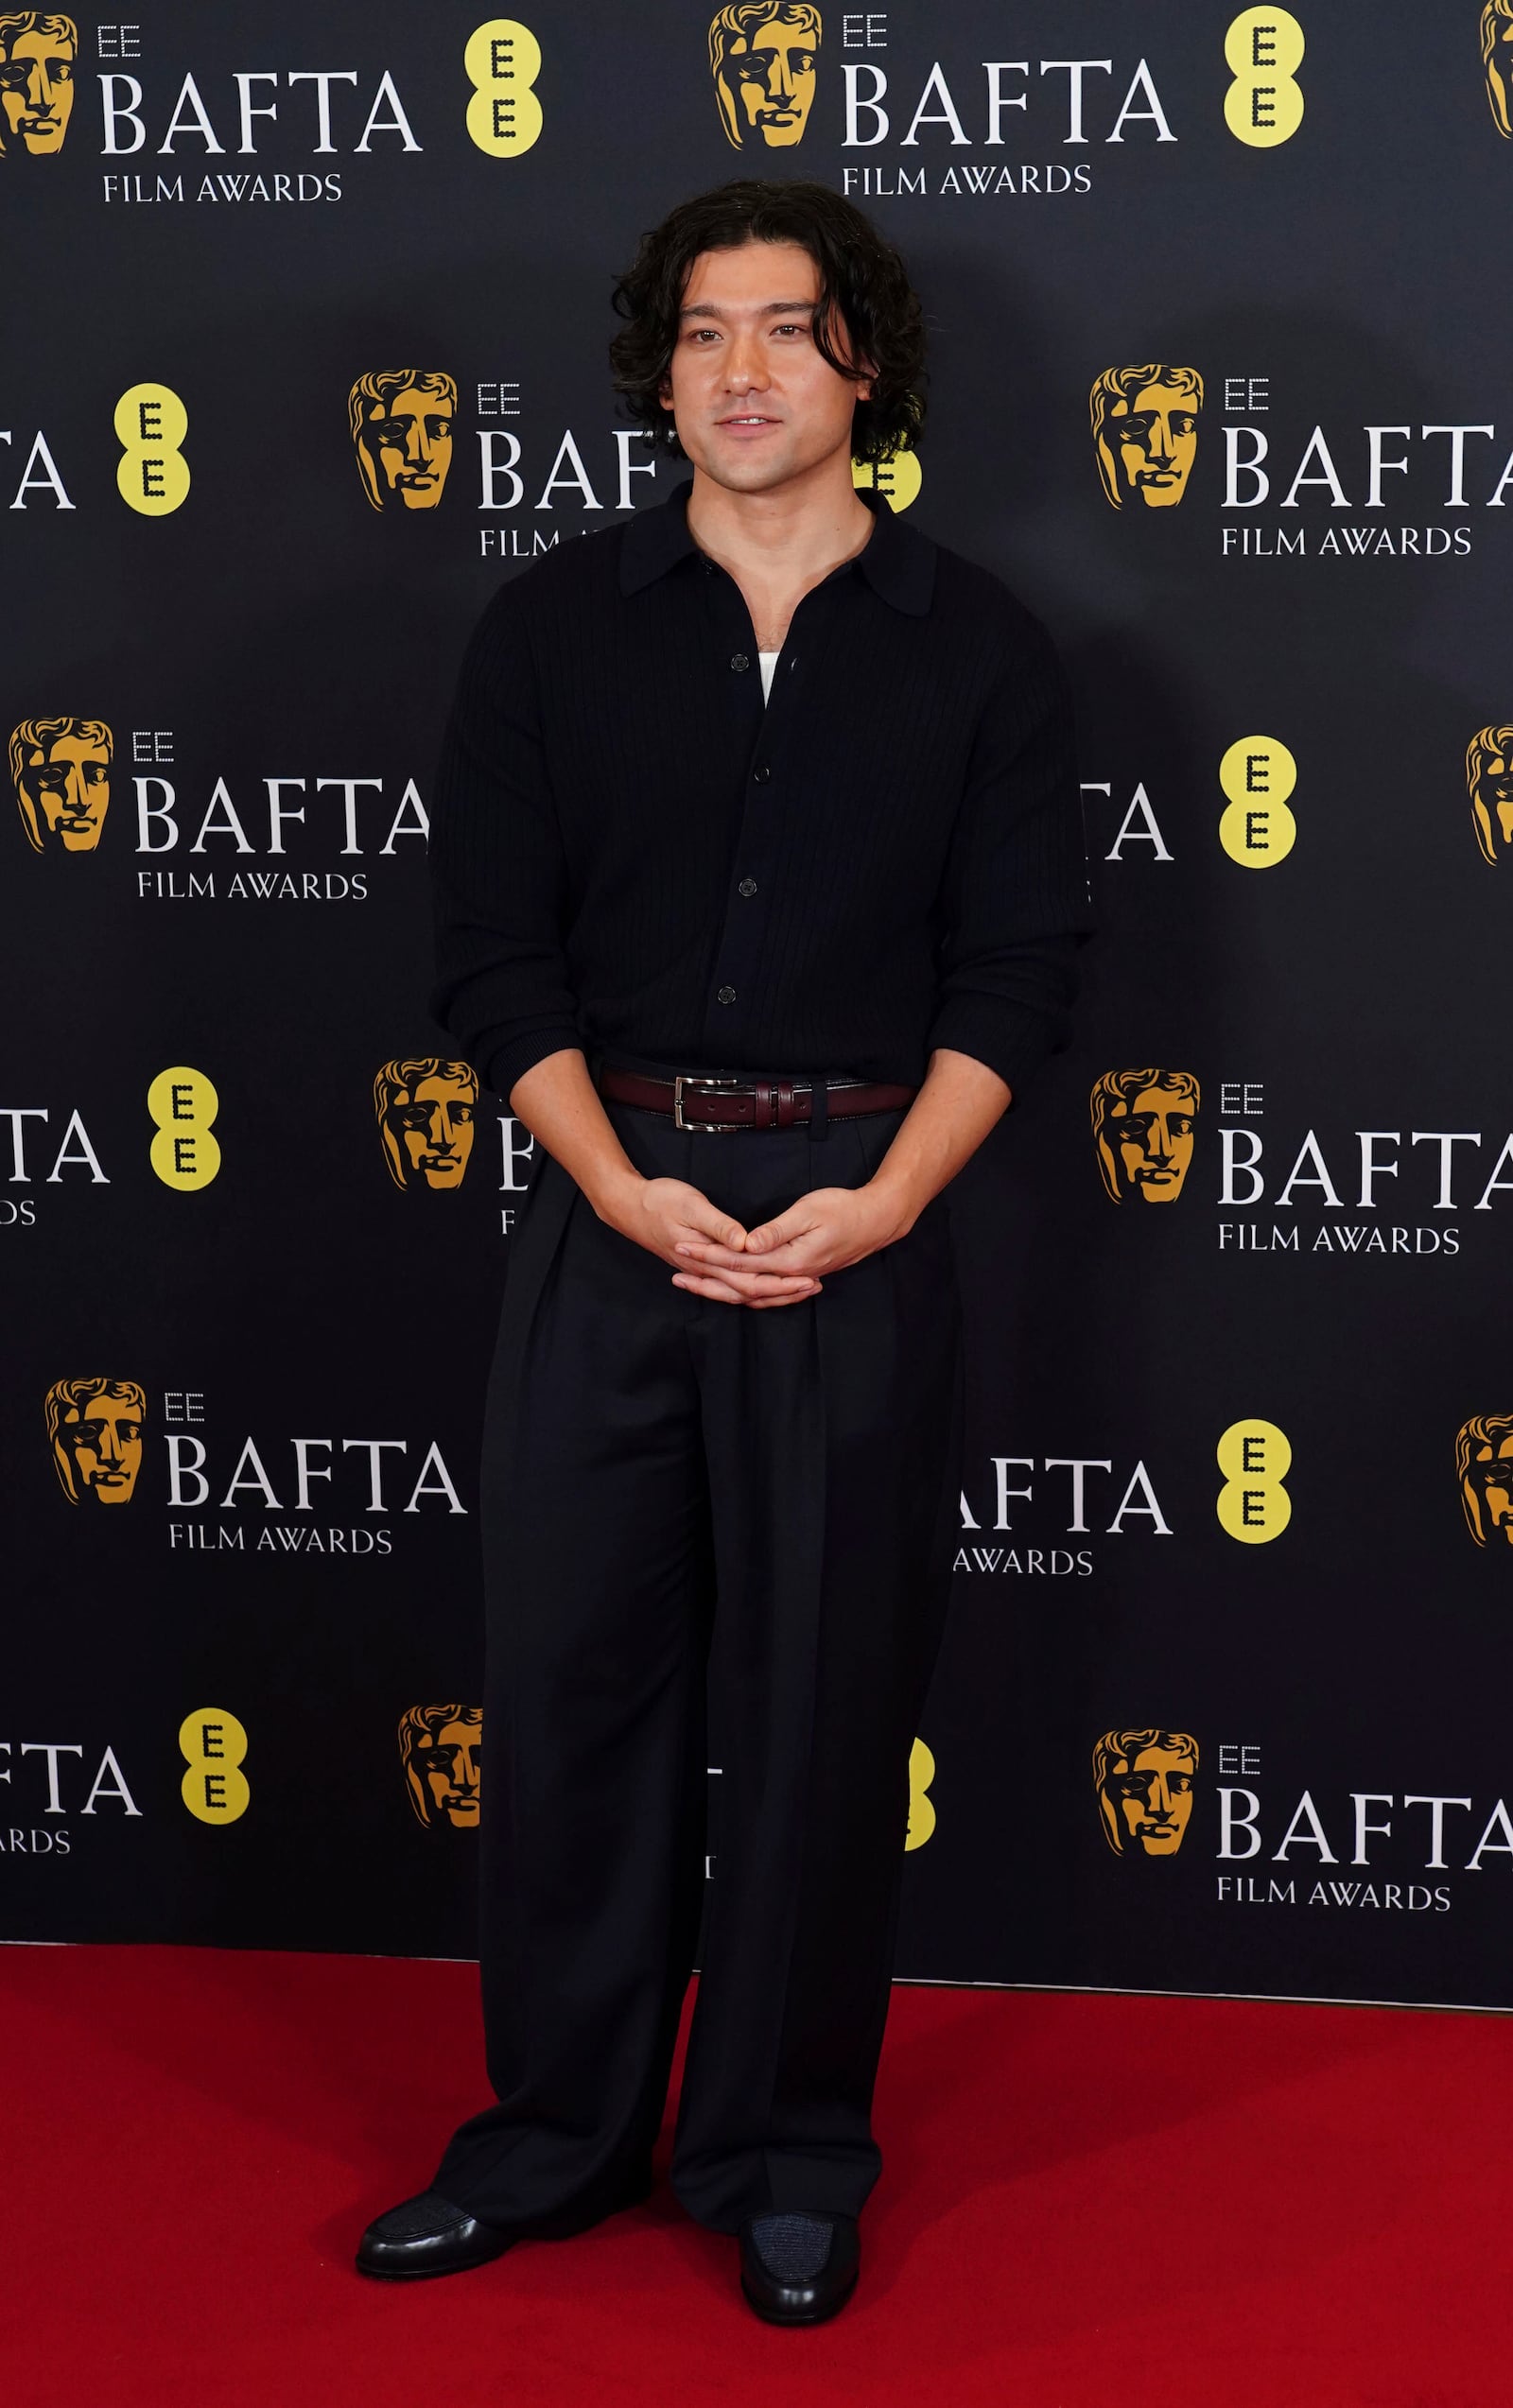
column 1152, row 441
column 1152, row 1796
column 434, row 1132
column 769, row 79
column 36, row 90
column 409, row 440
column 451, row 1767
column 1489, row 1489
column 1493, row 800
column 100, row 1450
column 68, row 788
column 1148, row 1144
column 754, row 402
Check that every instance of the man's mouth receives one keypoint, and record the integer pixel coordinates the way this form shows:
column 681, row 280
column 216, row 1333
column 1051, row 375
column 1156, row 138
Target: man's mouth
column 749, row 418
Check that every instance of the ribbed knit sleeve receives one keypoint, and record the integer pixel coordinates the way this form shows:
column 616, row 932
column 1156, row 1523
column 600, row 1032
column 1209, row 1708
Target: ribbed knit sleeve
column 1015, row 900
column 497, row 869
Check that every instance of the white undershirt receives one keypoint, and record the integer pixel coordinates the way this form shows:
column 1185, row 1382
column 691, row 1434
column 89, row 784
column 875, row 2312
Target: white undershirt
column 767, row 661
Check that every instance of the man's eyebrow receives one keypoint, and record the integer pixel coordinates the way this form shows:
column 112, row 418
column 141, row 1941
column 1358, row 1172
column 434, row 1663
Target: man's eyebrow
column 768, row 308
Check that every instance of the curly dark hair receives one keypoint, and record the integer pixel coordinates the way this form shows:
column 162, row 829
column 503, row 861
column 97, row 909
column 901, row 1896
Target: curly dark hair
column 862, row 279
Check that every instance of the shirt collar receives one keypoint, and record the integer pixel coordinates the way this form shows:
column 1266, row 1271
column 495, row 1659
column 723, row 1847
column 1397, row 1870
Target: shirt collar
column 898, row 561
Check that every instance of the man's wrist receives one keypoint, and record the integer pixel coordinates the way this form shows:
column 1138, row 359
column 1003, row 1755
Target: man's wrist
column 614, row 1191
column 898, row 1205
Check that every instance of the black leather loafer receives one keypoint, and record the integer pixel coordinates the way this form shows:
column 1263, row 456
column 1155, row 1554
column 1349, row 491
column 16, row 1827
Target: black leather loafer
column 799, row 2269
column 426, row 2235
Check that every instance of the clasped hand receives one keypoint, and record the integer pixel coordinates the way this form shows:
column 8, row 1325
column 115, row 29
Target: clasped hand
column 781, row 1262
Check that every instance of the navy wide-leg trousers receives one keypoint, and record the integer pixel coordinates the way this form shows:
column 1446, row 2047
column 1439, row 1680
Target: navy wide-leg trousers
column 713, row 1538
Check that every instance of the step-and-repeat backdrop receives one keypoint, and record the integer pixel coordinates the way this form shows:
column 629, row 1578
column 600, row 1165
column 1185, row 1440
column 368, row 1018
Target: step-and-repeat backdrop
column 307, row 352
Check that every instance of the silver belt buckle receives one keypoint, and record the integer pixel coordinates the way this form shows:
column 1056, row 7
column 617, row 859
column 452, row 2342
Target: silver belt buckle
column 705, row 1086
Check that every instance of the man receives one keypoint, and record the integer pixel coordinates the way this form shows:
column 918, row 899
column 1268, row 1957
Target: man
column 760, row 976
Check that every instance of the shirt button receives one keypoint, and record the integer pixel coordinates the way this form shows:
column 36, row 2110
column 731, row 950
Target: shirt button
column 761, row 776
column 739, row 661
column 726, row 995
column 747, row 885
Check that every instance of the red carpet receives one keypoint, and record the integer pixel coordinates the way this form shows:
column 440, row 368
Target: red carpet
column 1090, row 2203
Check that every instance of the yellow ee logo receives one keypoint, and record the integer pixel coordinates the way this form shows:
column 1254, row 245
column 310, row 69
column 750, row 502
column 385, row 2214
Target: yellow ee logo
column 898, row 478
column 183, row 1103
column 152, row 473
column 1255, row 1458
column 921, row 1808
column 213, row 1743
column 1263, row 50
column 1258, row 775
column 502, row 61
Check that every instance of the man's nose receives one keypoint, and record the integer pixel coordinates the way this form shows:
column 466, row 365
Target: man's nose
column 745, row 365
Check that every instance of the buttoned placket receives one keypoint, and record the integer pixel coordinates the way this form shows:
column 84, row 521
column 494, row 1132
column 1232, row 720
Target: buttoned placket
column 750, row 889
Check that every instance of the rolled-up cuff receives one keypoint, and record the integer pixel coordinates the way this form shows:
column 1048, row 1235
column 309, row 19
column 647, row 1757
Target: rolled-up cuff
column 509, row 1062
column 1010, row 1038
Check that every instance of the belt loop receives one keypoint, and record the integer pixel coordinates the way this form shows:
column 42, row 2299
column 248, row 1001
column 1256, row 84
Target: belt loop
column 786, row 1115
column 819, row 1110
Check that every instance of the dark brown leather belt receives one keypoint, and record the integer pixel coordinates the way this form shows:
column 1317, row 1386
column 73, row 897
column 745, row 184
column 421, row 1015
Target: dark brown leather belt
column 696, row 1102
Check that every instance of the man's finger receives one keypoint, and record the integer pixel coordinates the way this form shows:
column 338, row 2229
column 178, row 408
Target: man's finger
column 797, row 1254
column 708, row 1219
column 776, row 1233
column 733, row 1286
column 719, row 1258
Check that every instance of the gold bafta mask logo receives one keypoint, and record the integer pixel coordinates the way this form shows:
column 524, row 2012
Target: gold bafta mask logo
column 401, row 421
column 1145, row 432
column 1484, row 1463
column 1144, row 1122
column 428, row 1110
column 94, row 1427
column 1145, row 1784
column 1497, row 61
column 60, row 770
column 442, row 1752
column 1489, row 783
column 761, row 56
column 38, row 51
